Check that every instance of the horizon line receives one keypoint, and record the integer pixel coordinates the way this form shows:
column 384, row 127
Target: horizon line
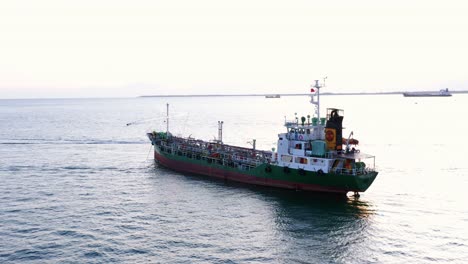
column 287, row 94
column 228, row 95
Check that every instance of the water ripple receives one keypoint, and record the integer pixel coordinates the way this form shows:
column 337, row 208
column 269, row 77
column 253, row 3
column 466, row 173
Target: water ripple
column 78, row 187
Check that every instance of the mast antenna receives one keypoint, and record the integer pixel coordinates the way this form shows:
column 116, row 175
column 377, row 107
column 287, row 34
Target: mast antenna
column 167, row 118
column 315, row 90
column 220, row 132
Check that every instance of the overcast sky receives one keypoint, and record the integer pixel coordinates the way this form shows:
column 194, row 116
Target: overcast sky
column 111, row 48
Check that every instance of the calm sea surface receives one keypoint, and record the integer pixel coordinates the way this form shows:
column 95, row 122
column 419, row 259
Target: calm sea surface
column 77, row 185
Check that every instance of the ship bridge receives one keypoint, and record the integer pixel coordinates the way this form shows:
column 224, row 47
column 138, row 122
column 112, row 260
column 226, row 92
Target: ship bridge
column 312, row 129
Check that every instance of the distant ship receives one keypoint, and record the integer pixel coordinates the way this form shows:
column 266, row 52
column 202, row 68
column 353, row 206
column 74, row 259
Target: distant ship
column 272, row 96
column 442, row 92
column 309, row 157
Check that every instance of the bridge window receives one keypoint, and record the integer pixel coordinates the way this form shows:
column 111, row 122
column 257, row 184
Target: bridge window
column 301, row 160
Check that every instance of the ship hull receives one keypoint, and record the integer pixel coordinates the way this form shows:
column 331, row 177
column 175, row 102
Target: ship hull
column 274, row 176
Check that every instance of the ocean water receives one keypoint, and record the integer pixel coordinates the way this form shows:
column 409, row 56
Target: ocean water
column 77, row 185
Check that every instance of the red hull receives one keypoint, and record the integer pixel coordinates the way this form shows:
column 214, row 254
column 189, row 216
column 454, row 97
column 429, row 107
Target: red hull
column 239, row 177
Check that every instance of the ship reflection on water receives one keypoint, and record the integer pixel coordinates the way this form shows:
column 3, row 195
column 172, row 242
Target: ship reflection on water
column 320, row 203
column 285, row 225
column 322, row 227
column 290, row 201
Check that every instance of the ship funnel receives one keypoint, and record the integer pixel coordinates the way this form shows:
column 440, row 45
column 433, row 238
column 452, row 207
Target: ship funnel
column 334, row 129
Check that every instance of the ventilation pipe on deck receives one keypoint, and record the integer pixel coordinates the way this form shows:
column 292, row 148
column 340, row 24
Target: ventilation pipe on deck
column 220, row 131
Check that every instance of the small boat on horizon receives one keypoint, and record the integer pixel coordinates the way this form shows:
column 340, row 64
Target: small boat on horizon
column 441, row 93
column 272, row 96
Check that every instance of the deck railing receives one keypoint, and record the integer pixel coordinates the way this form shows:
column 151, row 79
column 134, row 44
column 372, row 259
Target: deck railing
column 355, row 171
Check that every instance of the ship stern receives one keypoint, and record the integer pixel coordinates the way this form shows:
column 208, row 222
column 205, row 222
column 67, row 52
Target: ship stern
column 364, row 181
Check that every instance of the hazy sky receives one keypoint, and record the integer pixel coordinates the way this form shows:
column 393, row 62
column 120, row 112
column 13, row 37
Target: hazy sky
column 60, row 48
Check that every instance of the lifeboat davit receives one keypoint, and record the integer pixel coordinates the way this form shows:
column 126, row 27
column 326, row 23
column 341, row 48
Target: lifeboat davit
column 351, row 141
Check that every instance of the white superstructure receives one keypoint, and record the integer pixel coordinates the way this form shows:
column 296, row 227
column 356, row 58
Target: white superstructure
column 303, row 145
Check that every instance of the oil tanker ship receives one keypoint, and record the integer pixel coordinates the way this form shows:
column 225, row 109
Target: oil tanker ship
column 311, row 155
column 440, row 93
